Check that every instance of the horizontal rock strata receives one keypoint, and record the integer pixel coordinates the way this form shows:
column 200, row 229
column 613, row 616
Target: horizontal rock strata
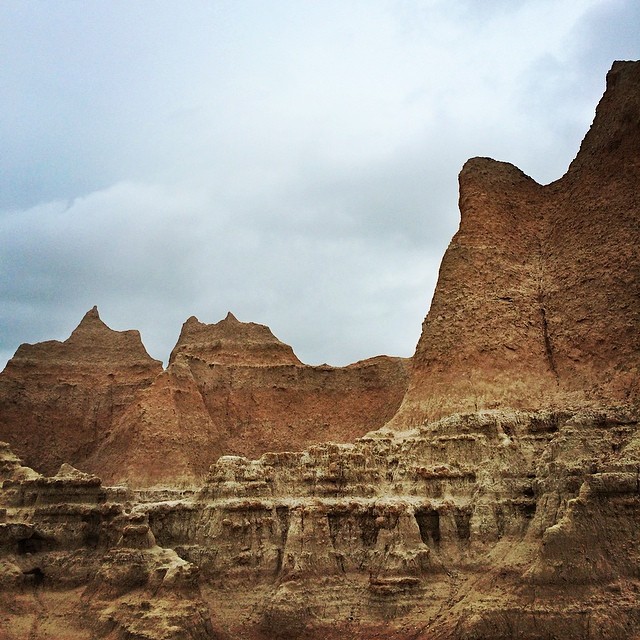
column 98, row 401
column 425, row 534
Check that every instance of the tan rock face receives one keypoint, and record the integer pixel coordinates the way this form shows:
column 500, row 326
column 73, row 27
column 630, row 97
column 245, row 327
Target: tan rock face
column 472, row 526
column 537, row 299
column 58, row 399
column 99, row 401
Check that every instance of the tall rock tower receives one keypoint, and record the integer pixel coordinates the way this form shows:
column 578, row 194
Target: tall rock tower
column 538, row 297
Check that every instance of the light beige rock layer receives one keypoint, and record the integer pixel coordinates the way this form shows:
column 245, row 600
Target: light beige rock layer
column 479, row 525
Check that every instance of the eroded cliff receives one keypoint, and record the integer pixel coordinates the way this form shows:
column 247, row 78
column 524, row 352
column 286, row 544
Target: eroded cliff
column 496, row 524
column 537, row 299
column 99, row 402
column 57, row 399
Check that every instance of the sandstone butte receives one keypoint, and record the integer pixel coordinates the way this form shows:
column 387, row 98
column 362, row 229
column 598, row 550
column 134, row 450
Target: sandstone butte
column 488, row 489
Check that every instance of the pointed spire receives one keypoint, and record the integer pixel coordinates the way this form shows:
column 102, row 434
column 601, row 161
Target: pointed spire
column 91, row 318
column 93, row 313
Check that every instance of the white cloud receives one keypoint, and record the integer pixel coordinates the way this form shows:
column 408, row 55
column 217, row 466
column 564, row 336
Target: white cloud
column 292, row 161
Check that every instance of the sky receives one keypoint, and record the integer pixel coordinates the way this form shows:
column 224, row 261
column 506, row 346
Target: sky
column 292, row 161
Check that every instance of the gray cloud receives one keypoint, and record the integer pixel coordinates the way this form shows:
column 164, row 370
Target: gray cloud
column 295, row 162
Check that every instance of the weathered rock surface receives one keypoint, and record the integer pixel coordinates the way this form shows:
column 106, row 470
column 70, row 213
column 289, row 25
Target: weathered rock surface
column 266, row 399
column 497, row 524
column 57, row 399
column 537, row 299
column 234, row 388
column 100, row 402
column 75, row 562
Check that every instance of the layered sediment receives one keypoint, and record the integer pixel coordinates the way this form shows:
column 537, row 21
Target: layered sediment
column 478, row 525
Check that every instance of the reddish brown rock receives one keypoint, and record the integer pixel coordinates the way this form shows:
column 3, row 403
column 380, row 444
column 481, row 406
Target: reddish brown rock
column 59, row 399
column 164, row 436
column 231, row 342
column 234, row 388
column 101, row 403
column 263, row 397
column 537, row 301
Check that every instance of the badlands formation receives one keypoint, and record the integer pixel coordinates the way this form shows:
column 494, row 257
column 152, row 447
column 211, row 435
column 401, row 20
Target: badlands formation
column 489, row 488
column 98, row 401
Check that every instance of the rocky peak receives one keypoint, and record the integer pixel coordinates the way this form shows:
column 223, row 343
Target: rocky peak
column 230, row 341
column 490, row 202
column 613, row 141
column 59, row 399
column 91, row 342
column 91, row 326
column 537, row 296
column 230, row 318
column 98, row 401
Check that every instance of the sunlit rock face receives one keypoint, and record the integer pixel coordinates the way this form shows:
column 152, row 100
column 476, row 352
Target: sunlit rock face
column 501, row 501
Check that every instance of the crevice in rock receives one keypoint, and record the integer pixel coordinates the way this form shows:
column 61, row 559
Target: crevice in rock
column 34, row 576
column 429, row 524
column 34, row 544
column 368, row 529
column 548, row 347
column 282, row 514
column 91, row 535
column 500, row 519
column 463, row 524
column 334, row 525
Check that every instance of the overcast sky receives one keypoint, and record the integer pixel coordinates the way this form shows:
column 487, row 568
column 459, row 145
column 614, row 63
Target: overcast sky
column 293, row 161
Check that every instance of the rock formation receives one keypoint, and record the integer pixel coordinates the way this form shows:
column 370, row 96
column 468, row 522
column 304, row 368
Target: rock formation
column 537, row 299
column 497, row 524
column 515, row 515
column 101, row 403
column 267, row 400
column 57, row 399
